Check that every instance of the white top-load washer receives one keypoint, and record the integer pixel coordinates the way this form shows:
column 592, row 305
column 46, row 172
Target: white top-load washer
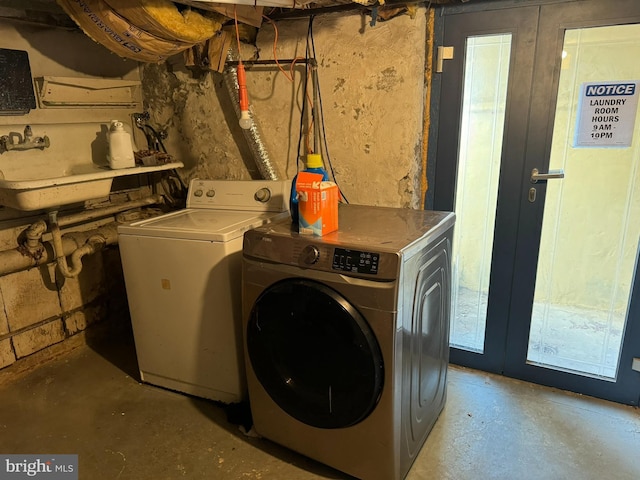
column 183, row 277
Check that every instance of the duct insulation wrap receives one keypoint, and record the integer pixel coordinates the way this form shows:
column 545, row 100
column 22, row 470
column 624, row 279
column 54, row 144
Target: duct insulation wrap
column 252, row 135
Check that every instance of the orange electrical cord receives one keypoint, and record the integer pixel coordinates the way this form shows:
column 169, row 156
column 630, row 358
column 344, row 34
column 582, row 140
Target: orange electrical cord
column 289, row 76
column 243, row 95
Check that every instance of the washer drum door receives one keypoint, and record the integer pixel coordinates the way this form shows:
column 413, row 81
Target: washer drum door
column 314, row 354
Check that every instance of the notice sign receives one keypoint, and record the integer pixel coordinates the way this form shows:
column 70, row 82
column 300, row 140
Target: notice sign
column 607, row 114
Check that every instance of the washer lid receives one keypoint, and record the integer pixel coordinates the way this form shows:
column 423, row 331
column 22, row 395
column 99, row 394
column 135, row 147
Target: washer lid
column 200, row 224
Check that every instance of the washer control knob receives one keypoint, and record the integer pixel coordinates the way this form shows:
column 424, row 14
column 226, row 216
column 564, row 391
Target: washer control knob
column 263, row 195
column 310, row 255
column 211, row 193
column 198, row 193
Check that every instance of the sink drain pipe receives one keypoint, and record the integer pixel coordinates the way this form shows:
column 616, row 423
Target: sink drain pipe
column 34, row 251
column 23, row 258
column 91, row 245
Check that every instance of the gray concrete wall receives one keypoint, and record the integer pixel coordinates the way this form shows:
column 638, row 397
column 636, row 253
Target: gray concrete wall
column 372, row 86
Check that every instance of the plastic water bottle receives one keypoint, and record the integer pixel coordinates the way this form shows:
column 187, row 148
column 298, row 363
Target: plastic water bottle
column 314, row 165
column 120, row 147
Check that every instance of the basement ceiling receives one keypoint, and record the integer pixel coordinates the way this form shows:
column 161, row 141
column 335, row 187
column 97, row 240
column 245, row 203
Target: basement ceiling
column 50, row 13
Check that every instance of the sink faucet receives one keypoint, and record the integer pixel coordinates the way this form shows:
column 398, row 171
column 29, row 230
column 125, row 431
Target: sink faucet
column 15, row 141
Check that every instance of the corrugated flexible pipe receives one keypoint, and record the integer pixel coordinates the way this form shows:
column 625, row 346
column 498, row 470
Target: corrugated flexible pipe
column 252, row 135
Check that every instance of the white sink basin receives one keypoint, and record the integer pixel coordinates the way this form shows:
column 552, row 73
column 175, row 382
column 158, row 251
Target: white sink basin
column 27, row 190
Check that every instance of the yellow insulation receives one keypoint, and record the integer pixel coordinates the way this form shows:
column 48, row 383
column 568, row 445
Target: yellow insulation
column 105, row 26
column 163, row 19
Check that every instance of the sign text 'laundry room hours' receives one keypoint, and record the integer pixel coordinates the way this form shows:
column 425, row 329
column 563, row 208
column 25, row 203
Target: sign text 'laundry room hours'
column 607, row 114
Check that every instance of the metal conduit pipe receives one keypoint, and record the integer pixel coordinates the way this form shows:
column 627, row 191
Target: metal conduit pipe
column 252, row 135
column 17, row 259
column 107, row 211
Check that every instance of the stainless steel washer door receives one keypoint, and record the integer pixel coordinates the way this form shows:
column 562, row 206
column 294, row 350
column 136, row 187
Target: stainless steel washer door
column 314, row 354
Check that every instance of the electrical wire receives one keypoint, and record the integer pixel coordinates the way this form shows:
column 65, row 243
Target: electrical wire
column 156, row 137
column 320, row 110
column 174, row 188
column 302, row 115
column 310, row 72
column 307, row 100
column 288, row 76
column 317, row 113
column 235, row 19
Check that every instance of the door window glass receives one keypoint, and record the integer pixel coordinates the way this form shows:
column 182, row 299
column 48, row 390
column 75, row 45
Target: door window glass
column 483, row 112
column 590, row 230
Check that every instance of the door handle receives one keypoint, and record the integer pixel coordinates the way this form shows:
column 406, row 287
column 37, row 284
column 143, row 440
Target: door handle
column 536, row 175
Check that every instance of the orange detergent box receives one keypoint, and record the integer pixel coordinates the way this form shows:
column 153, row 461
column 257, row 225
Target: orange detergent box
column 317, row 204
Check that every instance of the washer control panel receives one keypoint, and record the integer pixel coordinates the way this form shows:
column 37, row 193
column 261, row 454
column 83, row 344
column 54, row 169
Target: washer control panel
column 279, row 243
column 254, row 195
column 355, row 261
column 326, row 257
column 199, row 192
column 342, row 259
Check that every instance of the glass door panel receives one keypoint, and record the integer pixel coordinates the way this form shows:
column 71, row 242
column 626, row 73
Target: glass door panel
column 590, row 229
column 546, row 286
column 486, row 74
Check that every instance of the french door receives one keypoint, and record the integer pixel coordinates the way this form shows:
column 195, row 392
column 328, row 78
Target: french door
column 538, row 153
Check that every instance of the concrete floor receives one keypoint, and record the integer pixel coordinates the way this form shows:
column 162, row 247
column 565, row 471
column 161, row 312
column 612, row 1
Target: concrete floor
column 89, row 402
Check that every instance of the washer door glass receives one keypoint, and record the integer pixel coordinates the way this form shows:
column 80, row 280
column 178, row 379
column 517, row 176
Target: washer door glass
column 314, row 354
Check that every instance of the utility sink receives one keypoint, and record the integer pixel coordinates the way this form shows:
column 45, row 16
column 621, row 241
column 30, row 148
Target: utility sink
column 28, row 190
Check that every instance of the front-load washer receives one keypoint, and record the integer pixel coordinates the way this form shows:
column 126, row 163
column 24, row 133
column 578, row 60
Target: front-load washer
column 346, row 336
column 182, row 273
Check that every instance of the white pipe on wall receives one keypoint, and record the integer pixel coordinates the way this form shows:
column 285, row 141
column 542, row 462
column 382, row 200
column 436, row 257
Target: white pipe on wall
column 105, row 212
column 91, row 245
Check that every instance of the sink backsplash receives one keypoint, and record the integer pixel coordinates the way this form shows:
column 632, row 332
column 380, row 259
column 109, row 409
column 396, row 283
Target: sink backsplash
column 71, row 144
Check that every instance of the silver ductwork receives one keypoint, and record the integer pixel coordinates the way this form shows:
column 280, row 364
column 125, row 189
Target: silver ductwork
column 267, row 168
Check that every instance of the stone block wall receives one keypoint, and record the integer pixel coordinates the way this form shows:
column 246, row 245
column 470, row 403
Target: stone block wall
column 40, row 308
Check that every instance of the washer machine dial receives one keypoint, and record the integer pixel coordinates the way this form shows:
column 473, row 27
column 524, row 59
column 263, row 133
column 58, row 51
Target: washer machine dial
column 310, row 255
column 263, row 195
